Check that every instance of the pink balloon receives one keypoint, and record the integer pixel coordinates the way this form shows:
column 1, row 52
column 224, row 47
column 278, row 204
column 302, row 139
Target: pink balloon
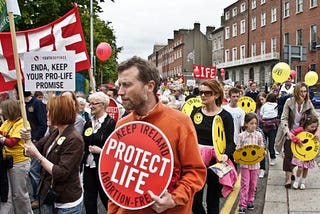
column 103, row 51
column 293, row 73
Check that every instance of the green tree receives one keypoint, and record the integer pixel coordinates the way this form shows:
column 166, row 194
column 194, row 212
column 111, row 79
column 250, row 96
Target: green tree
column 36, row 13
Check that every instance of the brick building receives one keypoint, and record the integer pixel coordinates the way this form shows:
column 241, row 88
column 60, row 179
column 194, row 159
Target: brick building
column 260, row 33
column 188, row 47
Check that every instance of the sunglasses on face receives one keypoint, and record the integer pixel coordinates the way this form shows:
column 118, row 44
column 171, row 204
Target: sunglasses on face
column 206, row 93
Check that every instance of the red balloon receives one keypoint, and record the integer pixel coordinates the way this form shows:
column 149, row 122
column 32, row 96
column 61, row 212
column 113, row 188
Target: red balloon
column 293, row 73
column 222, row 72
column 103, row 51
column 196, row 71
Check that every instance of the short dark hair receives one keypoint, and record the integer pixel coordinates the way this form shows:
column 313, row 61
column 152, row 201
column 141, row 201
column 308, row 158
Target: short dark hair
column 38, row 93
column 234, row 90
column 147, row 71
column 25, row 93
column 249, row 116
column 271, row 97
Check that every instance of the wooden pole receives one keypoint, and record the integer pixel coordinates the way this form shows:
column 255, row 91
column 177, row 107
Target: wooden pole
column 18, row 71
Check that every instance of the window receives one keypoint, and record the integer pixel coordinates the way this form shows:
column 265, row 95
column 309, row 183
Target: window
column 263, row 47
column 219, row 43
column 215, row 45
column 242, row 51
column 273, row 44
column 234, row 12
column 253, row 23
column 227, row 15
column 253, row 50
column 226, row 56
column 234, row 30
column 263, row 1
column 313, row 33
column 263, row 19
column 286, row 9
column 299, row 73
column 313, row 3
column 313, row 37
column 253, row 4
column 312, row 67
column 299, row 6
column 234, row 54
column 273, row 14
column 242, row 26
column 227, row 32
column 299, row 37
column 242, row 7
column 286, row 39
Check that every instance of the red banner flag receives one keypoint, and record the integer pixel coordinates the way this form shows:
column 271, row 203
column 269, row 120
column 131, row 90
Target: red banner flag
column 204, row 72
column 64, row 34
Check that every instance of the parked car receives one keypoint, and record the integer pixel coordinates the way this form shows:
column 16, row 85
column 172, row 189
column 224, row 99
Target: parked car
column 316, row 99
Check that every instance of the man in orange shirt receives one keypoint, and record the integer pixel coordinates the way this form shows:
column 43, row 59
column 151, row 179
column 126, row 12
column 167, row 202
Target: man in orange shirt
column 138, row 85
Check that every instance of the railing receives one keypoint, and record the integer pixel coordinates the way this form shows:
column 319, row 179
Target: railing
column 255, row 59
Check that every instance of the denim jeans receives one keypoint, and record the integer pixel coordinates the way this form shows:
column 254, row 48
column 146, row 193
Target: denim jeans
column 34, row 176
column 72, row 210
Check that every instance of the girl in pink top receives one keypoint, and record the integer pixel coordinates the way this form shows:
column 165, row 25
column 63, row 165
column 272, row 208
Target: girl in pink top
column 249, row 172
column 309, row 124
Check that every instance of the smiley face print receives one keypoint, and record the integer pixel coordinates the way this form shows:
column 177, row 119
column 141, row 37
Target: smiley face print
column 309, row 148
column 197, row 118
column 249, row 154
column 218, row 137
column 247, row 104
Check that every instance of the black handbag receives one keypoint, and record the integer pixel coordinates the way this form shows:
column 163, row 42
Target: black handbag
column 8, row 161
column 51, row 195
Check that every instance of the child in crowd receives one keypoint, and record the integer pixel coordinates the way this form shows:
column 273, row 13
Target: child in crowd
column 270, row 122
column 309, row 124
column 249, row 172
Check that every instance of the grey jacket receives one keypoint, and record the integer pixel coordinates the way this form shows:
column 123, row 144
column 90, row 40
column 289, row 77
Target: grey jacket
column 287, row 119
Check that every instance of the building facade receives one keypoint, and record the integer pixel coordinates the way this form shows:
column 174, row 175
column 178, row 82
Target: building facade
column 187, row 47
column 260, row 33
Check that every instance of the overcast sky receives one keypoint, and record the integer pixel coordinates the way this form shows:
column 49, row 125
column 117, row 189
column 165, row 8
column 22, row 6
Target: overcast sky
column 139, row 24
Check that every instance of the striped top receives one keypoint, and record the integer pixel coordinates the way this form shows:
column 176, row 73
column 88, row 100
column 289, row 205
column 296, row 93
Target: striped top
column 250, row 138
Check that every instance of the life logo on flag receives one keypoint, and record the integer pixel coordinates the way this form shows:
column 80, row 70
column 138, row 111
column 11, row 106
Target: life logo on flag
column 64, row 34
column 113, row 109
column 136, row 157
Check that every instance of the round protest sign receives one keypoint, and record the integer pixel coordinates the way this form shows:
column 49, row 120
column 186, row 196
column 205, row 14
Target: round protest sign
column 247, row 104
column 309, row 148
column 113, row 109
column 136, row 157
column 218, row 137
column 249, row 154
column 190, row 104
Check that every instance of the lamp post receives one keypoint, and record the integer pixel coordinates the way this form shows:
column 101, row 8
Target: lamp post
column 93, row 82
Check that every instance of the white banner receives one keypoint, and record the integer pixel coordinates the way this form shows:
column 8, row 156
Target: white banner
column 50, row 71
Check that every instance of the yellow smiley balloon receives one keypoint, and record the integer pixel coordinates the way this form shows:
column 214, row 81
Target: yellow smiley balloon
column 218, row 137
column 309, row 148
column 247, row 104
column 190, row 104
column 281, row 72
column 249, row 154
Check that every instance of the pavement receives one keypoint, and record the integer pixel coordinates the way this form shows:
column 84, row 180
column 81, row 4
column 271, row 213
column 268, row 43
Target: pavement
column 278, row 199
